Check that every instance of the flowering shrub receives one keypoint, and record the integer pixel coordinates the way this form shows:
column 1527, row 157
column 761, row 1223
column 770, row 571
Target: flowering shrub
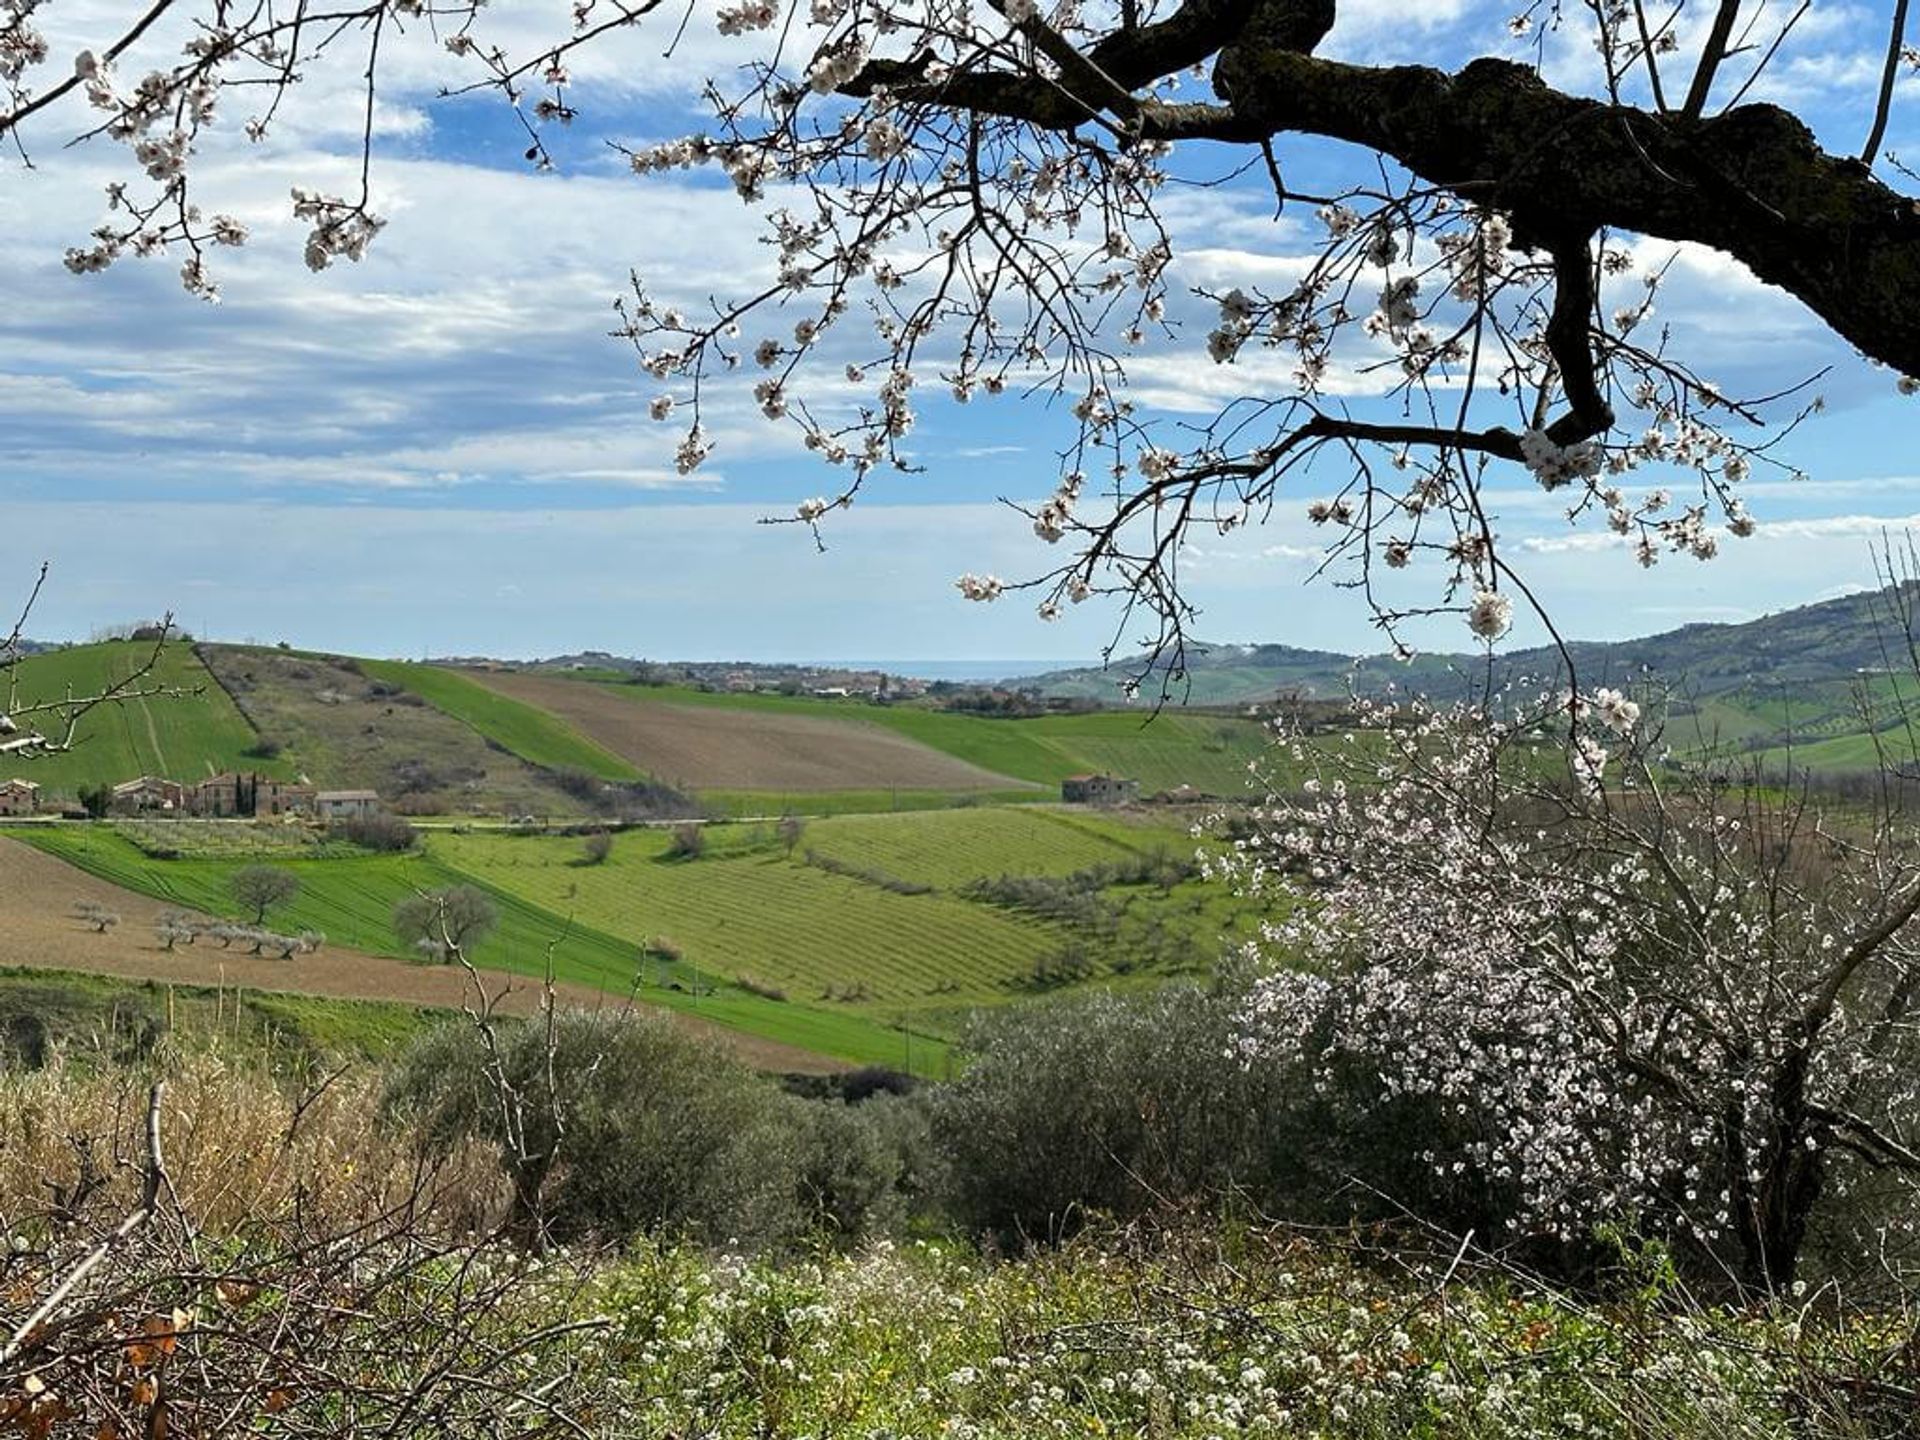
column 1672, row 999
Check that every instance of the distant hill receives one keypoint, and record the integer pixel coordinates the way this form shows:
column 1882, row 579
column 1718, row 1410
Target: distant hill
column 1834, row 641
column 1822, row 685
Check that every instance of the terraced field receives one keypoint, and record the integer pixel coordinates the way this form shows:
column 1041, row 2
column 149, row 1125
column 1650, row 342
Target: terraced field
column 186, row 736
column 874, row 914
column 758, row 916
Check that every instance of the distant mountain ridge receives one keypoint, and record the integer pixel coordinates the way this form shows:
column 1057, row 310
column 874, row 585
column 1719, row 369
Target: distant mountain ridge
column 1822, row 644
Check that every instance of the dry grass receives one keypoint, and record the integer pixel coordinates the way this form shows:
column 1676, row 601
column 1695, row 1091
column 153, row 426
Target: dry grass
column 238, row 1145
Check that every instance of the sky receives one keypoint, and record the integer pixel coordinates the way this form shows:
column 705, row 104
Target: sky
column 440, row 450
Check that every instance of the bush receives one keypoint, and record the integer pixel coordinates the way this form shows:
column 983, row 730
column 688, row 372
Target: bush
column 383, row 832
column 595, row 848
column 1123, row 1105
column 663, row 1131
column 264, row 748
column 688, row 841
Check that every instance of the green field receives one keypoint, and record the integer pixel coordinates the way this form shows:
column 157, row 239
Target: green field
column 185, row 737
column 521, row 729
column 351, row 901
column 949, row 848
column 846, row 935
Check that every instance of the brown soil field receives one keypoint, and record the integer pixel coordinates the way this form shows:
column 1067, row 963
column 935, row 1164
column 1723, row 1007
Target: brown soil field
column 38, row 929
column 706, row 746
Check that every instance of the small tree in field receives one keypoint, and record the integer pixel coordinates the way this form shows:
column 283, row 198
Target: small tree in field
column 790, row 829
column 595, row 848
column 688, row 841
column 1681, row 1000
column 445, row 925
column 260, row 888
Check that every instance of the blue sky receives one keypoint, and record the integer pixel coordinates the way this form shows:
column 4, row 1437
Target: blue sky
column 439, row 450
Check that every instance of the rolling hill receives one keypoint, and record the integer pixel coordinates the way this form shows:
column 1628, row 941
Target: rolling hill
column 188, row 734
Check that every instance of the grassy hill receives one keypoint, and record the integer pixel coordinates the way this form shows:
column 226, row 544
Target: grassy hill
column 187, row 736
column 1818, row 645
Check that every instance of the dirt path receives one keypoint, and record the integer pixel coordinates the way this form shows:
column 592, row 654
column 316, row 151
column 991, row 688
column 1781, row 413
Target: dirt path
column 38, row 929
column 716, row 747
column 161, row 767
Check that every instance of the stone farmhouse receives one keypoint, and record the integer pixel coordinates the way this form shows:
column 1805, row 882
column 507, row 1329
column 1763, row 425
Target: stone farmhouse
column 148, row 793
column 1099, row 790
column 234, row 793
column 229, row 795
column 332, row 805
column 19, row 797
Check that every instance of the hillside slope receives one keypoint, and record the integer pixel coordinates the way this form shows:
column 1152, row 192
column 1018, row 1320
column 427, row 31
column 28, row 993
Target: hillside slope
column 347, row 727
column 185, row 736
column 746, row 747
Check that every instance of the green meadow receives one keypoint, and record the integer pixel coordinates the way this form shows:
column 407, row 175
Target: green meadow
column 351, row 901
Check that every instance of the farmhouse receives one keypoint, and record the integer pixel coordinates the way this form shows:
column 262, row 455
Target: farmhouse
column 19, row 797
column 332, row 805
column 149, row 792
column 1098, row 790
column 282, row 797
column 226, row 794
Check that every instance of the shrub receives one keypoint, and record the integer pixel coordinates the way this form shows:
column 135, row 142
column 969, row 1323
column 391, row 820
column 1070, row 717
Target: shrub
column 1122, row 1105
column 595, row 848
column 661, row 1131
column 688, row 841
column 264, row 748
column 380, row 831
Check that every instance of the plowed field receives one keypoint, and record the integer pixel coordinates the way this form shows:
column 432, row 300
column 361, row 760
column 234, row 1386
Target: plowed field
column 708, row 746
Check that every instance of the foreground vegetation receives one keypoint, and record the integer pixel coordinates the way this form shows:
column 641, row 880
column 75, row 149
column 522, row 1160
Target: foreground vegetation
column 799, row 1278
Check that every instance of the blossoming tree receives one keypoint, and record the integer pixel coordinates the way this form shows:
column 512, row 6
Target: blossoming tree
column 974, row 197
column 1682, row 1001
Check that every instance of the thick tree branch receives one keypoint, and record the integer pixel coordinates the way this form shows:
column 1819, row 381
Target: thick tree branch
column 1750, row 183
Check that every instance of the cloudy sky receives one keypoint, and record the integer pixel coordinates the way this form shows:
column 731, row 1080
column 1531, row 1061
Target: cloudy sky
column 439, row 450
